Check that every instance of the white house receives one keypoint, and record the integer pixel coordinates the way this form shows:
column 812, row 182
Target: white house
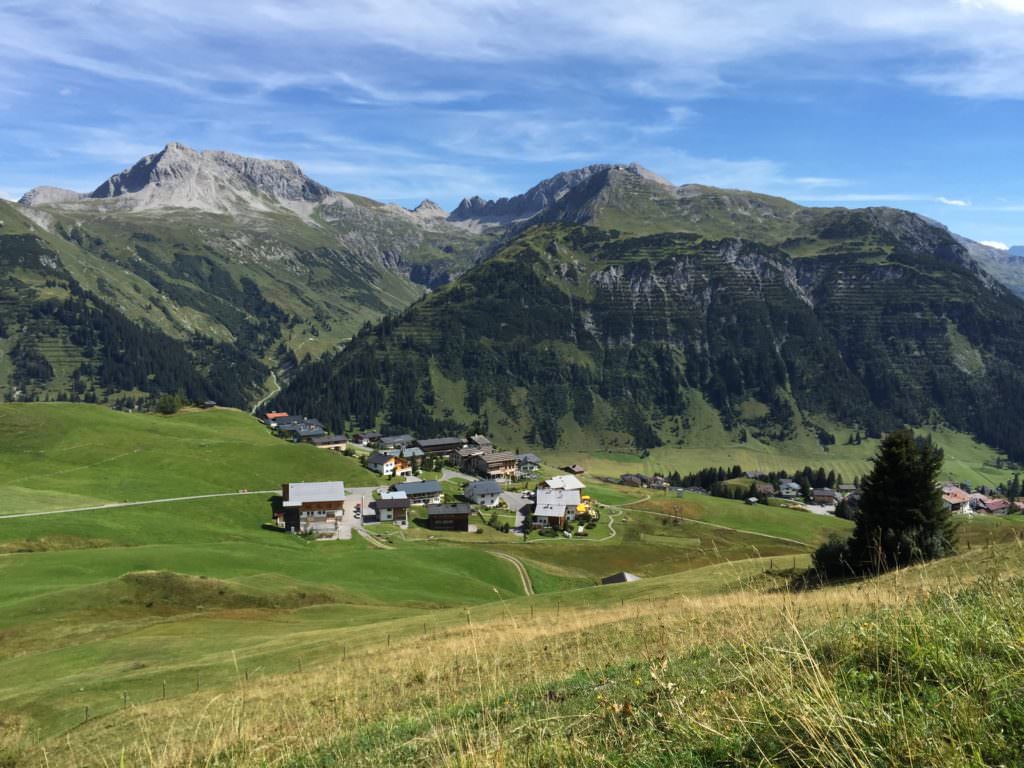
column 388, row 465
column 555, row 506
column 788, row 489
column 486, row 493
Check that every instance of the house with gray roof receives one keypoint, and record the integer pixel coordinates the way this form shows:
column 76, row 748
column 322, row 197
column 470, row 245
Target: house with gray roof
column 554, row 507
column 309, row 506
column 422, row 492
column 486, row 493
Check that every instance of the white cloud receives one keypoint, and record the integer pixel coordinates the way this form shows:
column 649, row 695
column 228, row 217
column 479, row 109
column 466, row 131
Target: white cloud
column 954, row 202
column 972, row 47
column 996, row 244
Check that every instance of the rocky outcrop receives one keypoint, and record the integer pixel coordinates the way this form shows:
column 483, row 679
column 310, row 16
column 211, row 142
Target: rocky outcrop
column 542, row 197
column 48, row 196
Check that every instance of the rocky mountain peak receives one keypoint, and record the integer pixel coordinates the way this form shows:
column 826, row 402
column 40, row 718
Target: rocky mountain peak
column 179, row 176
column 428, row 209
column 548, row 193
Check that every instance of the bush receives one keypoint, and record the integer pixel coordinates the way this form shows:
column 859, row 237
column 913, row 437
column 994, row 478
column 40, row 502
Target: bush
column 168, row 404
column 832, row 559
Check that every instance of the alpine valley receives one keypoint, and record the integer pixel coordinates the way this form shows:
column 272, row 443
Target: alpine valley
column 605, row 309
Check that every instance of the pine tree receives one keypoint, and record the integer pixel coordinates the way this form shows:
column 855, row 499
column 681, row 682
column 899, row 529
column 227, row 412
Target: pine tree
column 902, row 519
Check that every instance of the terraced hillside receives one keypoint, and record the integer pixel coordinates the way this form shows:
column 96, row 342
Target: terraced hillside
column 60, row 339
column 879, row 319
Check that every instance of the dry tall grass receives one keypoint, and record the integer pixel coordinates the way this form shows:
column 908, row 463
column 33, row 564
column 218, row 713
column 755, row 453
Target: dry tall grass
column 752, row 677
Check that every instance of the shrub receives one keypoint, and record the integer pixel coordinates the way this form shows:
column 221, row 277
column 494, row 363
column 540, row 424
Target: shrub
column 832, row 559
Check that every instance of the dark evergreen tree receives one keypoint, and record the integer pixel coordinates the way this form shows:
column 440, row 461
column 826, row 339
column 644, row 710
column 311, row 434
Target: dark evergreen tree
column 901, row 518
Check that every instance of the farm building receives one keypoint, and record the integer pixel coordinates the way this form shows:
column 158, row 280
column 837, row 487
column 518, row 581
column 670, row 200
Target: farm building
column 621, row 577
column 331, row 442
column 448, row 517
column 440, row 446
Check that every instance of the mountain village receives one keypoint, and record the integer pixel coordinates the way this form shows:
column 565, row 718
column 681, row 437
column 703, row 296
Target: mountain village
column 447, row 484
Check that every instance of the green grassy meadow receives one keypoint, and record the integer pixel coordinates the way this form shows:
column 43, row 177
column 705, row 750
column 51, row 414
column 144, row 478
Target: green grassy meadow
column 137, row 628
column 62, row 455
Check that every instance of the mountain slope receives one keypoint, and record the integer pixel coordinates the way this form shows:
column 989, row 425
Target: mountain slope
column 57, row 336
column 216, row 249
column 1006, row 266
column 871, row 318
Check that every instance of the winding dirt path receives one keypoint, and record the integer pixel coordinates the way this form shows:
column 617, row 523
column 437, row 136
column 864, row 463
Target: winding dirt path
column 373, row 539
column 523, row 573
column 277, row 388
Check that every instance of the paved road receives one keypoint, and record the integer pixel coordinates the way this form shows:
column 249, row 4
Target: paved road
column 117, row 505
column 448, row 474
column 523, row 573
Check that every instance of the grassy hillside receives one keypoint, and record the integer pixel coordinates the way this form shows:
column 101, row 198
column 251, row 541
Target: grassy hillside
column 967, row 460
column 918, row 668
column 73, row 328
column 61, row 455
column 183, row 633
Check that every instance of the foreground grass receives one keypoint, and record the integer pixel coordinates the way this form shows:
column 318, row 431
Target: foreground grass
column 924, row 667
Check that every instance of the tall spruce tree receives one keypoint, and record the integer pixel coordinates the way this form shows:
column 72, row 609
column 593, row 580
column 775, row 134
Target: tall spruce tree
column 902, row 519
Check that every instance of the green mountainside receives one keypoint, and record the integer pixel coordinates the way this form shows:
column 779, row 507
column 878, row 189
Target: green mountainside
column 60, row 336
column 768, row 318
column 243, row 263
column 620, row 312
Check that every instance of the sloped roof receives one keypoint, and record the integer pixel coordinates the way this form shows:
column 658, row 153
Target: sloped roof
column 565, row 482
column 482, row 487
column 299, row 493
column 553, row 502
column 418, row 489
column 620, row 578
column 328, row 439
column 439, row 442
column 448, row 509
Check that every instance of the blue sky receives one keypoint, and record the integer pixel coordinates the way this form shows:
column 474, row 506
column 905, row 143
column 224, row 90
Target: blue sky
column 917, row 104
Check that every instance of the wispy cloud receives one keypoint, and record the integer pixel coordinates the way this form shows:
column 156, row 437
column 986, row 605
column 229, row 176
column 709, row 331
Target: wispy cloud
column 996, row 244
column 402, row 99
